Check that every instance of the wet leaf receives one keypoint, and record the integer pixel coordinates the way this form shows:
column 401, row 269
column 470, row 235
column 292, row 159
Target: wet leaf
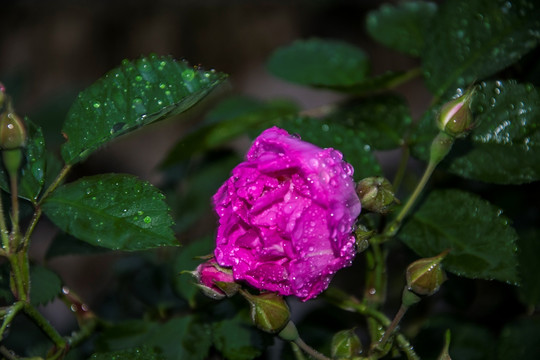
column 46, row 285
column 327, row 134
column 318, row 62
column 481, row 240
column 237, row 339
column 227, row 122
column 470, row 40
column 119, row 212
column 133, row 95
column 33, row 166
column 64, row 244
column 402, row 27
column 504, row 146
column 380, row 121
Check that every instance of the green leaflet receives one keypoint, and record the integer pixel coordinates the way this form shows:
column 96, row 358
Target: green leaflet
column 481, row 241
column 133, row 95
column 470, row 40
column 319, row 62
column 402, row 27
column 46, row 285
column 118, row 212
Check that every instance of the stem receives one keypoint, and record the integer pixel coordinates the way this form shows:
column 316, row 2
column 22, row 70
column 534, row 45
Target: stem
column 9, row 315
column 14, row 207
column 55, row 183
column 3, row 228
column 298, row 354
column 393, row 325
column 45, row 326
column 309, row 350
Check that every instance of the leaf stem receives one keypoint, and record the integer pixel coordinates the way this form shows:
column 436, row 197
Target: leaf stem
column 393, row 325
column 45, row 325
column 13, row 178
column 298, row 354
column 59, row 179
column 398, row 178
column 3, row 228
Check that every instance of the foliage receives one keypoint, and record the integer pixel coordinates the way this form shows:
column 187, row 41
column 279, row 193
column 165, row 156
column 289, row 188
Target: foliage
column 475, row 203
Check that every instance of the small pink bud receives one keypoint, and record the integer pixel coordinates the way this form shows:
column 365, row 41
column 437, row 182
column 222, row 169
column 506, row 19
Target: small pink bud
column 215, row 281
column 455, row 118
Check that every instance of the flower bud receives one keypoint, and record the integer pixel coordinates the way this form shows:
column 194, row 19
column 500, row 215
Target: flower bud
column 269, row 311
column 362, row 236
column 425, row 276
column 2, row 94
column 215, row 281
column 12, row 131
column 376, row 194
column 455, row 117
column 345, row 345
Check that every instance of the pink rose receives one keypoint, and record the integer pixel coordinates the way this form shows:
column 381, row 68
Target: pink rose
column 286, row 216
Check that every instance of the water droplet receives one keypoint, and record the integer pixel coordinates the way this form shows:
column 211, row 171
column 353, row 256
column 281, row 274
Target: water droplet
column 188, row 74
column 97, row 105
column 147, row 219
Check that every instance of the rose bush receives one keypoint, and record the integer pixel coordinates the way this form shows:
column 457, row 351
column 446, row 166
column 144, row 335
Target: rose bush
column 286, row 216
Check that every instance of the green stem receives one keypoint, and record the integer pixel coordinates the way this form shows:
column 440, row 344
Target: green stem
column 298, row 354
column 45, row 326
column 10, row 315
column 309, row 350
column 59, row 179
column 20, row 275
column 14, row 208
column 393, row 325
column 3, row 228
column 349, row 303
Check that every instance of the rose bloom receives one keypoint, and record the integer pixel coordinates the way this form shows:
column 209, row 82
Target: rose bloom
column 286, row 216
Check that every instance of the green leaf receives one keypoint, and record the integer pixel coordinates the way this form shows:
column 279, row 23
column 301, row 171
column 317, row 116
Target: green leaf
column 46, row 285
column 64, row 244
column 385, row 81
column 529, row 267
column 186, row 260
column 327, row 134
column 135, row 94
column 236, row 339
column 225, row 124
column 380, row 121
column 504, row 146
column 180, row 338
column 143, row 353
column 318, row 62
column 119, row 212
column 472, row 39
column 402, row 27
column 481, row 241
column 32, row 176
column 519, row 340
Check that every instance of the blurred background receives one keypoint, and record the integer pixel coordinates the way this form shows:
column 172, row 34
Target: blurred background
column 51, row 50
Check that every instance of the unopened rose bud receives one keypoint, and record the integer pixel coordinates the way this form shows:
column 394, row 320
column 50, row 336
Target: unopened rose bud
column 455, row 117
column 269, row 311
column 215, row 281
column 12, row 131
column 376, row 194
column 345, row 345
column 362, row 235
column 425, row 276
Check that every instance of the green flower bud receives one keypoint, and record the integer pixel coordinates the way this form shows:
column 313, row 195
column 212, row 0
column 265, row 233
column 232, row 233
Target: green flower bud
column 269, row 311
column 345, row 345
column 425, row 276
column 455, row 117
column 362, row 236
column 12, row 131
column 376, row 194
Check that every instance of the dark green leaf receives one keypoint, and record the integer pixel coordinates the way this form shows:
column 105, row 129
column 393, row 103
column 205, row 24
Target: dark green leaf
column 177, row 339
column 225, row 124
column 385, row 81
column 33, row 166
column 119, row 212
column 472, row 39
column 326, row 134
column 402, row 27
column 504, row 146
column 144, row 353
column 65, row 244
column 482, row 243
column 529, row 267
column 184, row 284
column 135, row 94
column 380, row 121
column 46, row 285
column 519, row 340
column 318, row 62
column 236, row 339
